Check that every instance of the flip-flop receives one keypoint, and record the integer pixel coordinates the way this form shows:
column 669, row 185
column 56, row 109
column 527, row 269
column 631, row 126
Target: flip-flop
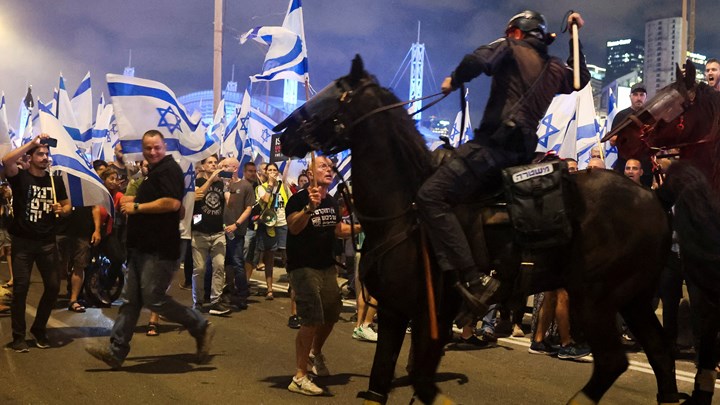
column 7, row 285
column 79, row 308
column 152, row 329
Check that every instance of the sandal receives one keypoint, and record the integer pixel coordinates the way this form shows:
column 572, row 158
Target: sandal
column 76, row 307
column 152, row 329
column 7, row 285
column 269, row 296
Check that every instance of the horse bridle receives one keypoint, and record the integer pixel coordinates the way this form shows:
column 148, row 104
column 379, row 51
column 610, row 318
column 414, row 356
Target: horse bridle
column 341, row 123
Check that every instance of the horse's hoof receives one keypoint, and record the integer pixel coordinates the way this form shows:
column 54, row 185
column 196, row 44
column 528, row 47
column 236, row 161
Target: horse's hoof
column 442, row 399
column 372, row 398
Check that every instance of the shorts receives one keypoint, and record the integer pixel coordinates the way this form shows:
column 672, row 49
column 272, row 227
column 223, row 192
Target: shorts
column 264, row 241
column 4, row 239
column 317, row 295
column 281, row 235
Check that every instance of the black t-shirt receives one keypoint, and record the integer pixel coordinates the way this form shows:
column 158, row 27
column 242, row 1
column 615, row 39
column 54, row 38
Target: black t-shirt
column 32, row 205
column 79, row 223
column 209, row 210
column 158, row 233
column 313, row 246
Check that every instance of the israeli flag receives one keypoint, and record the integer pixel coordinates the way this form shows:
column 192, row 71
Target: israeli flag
column 188, row 200
column 141, row 105
column 611, row 152
column 554, row 126
column 236, row 133
column 260, row 132
column 217, row 129
column 5, row 142
column 344, row 166
column 586, row 134
column 66, row 115
column 82, row 105
column 83, row 185
column 104, row 134
column 456, row 137
column 287, row 55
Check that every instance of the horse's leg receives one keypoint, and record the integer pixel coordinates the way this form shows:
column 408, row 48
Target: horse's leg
column 643, row 323
column 391, row 333
column 708, row 325
column 427, row 352
column 597, row 319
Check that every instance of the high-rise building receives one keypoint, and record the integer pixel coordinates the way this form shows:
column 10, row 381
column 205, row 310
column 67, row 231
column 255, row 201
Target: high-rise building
column 623, row 56
column 597, row 75
column 663, row 39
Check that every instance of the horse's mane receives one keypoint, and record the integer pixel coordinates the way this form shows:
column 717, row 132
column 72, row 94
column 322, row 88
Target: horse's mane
column 410, row 152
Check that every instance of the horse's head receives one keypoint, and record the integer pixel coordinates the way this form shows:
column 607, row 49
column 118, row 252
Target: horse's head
column 322, row 123
column 670, row 119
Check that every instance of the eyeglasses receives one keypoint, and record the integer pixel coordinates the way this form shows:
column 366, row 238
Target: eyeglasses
column 323, row 166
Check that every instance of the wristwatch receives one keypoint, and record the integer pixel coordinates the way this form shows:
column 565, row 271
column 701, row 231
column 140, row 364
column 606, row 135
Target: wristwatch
column 136, row 207
column 308, row 210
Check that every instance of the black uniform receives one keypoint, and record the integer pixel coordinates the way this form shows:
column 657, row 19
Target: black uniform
column 506, row 136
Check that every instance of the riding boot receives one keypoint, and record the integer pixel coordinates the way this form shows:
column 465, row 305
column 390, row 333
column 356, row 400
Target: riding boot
column 478, row 291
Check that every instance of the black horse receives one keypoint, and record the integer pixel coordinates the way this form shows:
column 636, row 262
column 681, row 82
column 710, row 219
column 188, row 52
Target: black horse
column 612, row 264
column 686, row 116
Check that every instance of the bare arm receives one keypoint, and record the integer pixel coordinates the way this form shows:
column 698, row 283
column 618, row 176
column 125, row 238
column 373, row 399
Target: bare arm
column 95, row 238
column 297, row 221
column 343, row 230
column 159, row 206
column 10, row 160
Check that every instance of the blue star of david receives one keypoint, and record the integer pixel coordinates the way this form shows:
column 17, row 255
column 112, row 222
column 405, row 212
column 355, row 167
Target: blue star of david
column 265, row 135
column 83, row 158
column 164, row 112
column 191, row 183
column 243, row 123
column 550, row 130
column 113, row 127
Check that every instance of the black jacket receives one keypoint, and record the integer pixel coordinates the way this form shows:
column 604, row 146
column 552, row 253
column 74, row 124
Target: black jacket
column 514, row 66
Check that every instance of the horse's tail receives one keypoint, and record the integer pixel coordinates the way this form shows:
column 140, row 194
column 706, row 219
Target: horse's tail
column 697, row 223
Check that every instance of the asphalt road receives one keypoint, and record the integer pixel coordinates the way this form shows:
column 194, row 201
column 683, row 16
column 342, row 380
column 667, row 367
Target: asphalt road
column 253, row 362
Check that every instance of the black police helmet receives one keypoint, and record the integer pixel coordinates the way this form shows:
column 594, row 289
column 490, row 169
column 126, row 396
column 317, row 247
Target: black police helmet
column 532, row 23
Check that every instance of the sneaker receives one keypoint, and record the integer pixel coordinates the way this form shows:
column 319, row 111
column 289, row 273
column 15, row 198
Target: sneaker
column 184, row 286
column 41, row 340
column 294, row 322
column 543, row 348
column 304, row 386
column 573, row 351
column 319, row 368
column 204, row 342
column 18, row 346
column 472, row 342
column 365, row 334
column 488, row 337
column 103, row 354
column 517, row 331
column 219, row 309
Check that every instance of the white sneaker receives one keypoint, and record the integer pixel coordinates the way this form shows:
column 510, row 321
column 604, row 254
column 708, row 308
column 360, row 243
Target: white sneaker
column 319, row 368
column 365, row 334
column 304, row 386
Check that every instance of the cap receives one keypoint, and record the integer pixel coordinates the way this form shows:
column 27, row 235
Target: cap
column 638, row 87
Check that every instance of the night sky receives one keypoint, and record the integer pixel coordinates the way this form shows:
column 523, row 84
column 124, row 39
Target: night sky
column 171, row 40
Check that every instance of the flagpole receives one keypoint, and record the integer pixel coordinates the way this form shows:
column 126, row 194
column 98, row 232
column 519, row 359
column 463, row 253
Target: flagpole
column 312, row 153
column 217, row 54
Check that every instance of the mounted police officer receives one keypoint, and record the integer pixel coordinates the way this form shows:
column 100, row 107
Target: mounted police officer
column 525, row 80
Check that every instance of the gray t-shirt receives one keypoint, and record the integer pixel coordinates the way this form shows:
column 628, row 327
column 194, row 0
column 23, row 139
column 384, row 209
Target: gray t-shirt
column 242, row 196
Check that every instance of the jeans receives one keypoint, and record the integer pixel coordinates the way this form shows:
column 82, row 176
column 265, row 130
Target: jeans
column 25, row 253
column 204, row 246
column 147, row 280
column 489, row 320
column 235, row 258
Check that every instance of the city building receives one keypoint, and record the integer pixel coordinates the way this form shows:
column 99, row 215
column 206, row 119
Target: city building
column 623, row 56
column 663, row 39
column 597, row 75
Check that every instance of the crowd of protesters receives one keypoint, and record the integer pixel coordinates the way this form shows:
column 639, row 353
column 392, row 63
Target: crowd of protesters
column 244, row 219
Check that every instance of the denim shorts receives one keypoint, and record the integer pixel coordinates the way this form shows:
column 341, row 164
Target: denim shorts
column 317, row 295
column 281, row 235
column 264, row 241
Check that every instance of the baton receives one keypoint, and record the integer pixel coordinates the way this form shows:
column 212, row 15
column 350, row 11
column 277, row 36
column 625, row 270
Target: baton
column 312, row 165
column 576, row 56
